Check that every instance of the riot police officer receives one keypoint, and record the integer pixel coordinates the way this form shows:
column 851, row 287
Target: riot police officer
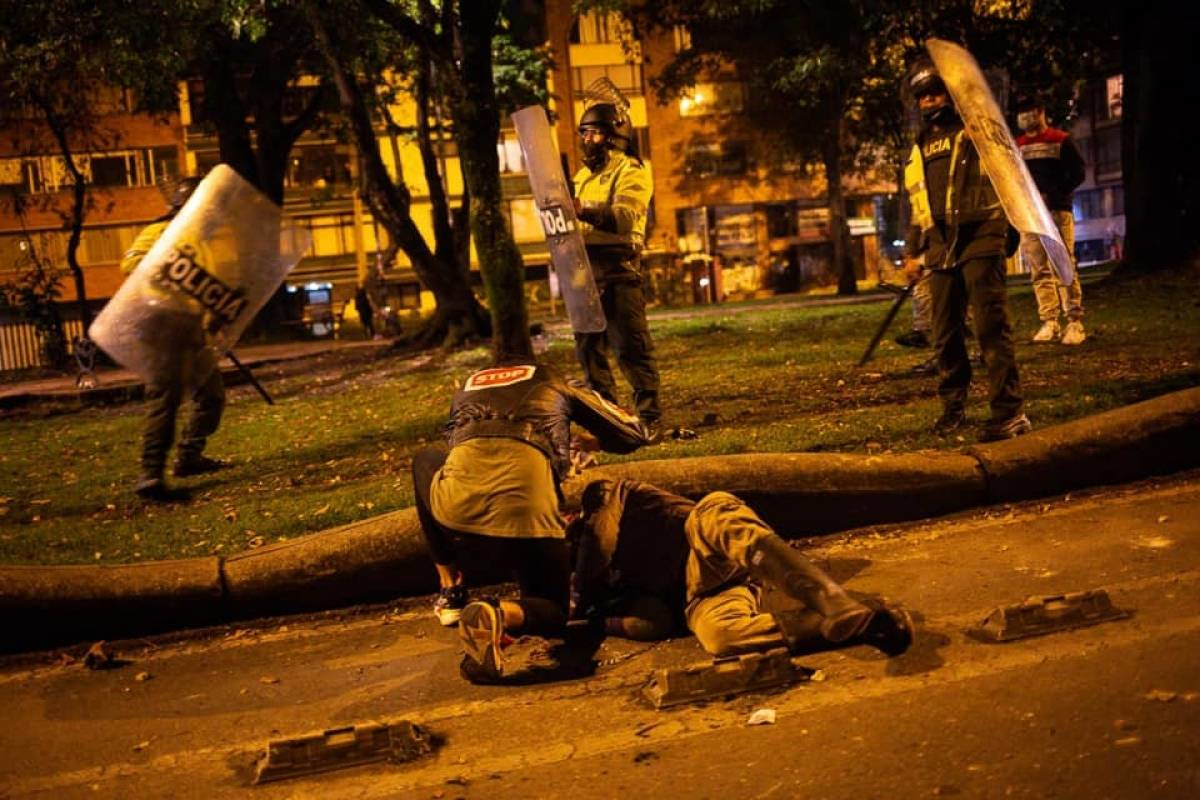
column 960, row 229
column 166, row 395
column 612, row 199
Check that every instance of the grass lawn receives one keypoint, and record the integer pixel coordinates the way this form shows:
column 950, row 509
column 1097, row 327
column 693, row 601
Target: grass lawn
column 337, row 445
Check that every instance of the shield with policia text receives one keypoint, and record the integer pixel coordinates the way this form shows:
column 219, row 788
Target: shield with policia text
column 192, row 295
column 568, row 256
column 998, row 151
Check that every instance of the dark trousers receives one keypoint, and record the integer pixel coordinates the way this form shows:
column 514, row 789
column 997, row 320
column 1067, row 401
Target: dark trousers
column 208, row 403
column 978, row 284
column 628, row 334
column 540, row 566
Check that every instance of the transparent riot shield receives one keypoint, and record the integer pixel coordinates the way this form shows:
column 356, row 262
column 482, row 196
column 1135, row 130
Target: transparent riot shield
column 998, row 151
column 568, row 256
column 193, row 294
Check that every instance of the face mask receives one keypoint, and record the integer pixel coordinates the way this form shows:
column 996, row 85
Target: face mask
column 1027, row 120
column 939, row 115
column 595, row 154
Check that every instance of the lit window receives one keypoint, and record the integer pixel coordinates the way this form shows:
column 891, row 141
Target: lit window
column 722, row 97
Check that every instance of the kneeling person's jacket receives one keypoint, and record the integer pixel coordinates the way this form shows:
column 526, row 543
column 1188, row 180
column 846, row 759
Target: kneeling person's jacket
column 533, row 404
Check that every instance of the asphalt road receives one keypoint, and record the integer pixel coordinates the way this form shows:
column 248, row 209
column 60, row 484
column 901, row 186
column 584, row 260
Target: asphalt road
column 1107, row 711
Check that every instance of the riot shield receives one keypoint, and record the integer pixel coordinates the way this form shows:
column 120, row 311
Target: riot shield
column 568, row 256
column 193, row 294
column 998, row 151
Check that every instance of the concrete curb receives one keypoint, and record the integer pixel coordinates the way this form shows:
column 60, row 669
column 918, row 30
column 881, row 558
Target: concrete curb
column 799, row 494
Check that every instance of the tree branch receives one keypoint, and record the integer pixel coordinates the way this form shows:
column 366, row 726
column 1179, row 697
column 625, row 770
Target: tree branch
column 410, row 29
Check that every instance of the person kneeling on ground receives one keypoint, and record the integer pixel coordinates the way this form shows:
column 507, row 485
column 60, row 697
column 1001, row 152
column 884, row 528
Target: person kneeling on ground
column 646, row 559
column 495, row 497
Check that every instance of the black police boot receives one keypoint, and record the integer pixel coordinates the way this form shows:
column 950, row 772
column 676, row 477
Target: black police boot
column 789, row 570
column 913, row 339
column 927, row 367
column 152, row 488
column 801, row 629
column 196, row 464
column 891, row 631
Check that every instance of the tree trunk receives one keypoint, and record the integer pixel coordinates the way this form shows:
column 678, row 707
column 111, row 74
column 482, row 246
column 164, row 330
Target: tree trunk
column 78, row 211
column 458, row 316
column 838, row 231
column 1159, row 167
column 477, row 129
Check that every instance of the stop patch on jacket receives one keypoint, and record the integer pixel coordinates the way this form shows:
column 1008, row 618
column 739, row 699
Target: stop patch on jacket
column 496, row 377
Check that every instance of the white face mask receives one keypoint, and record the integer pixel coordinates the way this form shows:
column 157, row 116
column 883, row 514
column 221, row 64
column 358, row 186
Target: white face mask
column 1027, row 120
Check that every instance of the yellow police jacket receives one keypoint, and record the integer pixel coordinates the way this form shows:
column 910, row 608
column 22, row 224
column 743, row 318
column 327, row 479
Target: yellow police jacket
column 142, row 244
column 622, row 189
column 970, row 198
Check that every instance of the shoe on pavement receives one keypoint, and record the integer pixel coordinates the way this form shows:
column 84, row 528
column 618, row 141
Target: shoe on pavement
column 196, row 465
column 1074, row 333
column 951, row 420
column 913, row 339
column 481, row 631
column 451, row 600
column 998, row 430
column 891, row 631
column 1049, row 332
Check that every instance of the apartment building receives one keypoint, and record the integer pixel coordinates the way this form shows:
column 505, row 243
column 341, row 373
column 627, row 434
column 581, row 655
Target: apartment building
column 1100, row 200
column 721, row 191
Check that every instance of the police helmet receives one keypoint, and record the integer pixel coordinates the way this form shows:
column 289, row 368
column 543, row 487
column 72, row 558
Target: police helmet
column 183, row 190
column 924, row 79
column 608, row 119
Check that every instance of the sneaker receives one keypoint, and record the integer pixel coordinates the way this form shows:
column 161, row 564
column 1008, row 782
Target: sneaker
column 951, row 420
column 913, row 339
column 998, row 430
column 451, row 600
column 481, row 630
column 1049, row 332
column 1074, row 333
column 196, row 465
column 890, row 631
column 927, row 367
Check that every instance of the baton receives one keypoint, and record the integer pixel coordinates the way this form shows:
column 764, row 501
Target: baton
column 250, row 377
column 901, row 296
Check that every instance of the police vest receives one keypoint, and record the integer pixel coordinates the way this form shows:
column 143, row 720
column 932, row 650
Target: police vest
column 978, row 201
column 624, row 185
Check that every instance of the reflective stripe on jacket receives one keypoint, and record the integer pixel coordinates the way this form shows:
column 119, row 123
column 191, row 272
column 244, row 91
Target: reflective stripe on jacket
column 970, row 198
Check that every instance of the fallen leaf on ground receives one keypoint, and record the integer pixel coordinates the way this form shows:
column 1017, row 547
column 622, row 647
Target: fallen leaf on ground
column 268, row 679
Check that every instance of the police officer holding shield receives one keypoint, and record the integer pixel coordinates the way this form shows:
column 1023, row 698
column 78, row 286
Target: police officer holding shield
column 612, row 198
column 167, row 394
column 960, row 228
